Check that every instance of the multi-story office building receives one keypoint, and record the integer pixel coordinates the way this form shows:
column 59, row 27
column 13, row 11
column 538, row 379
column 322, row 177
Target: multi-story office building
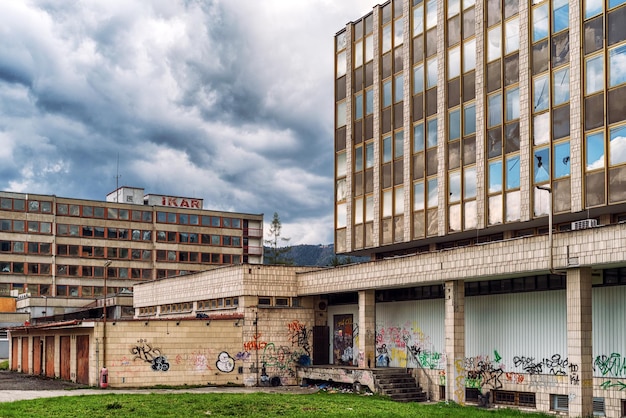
column 458, row 121
column 484, row 141
column 56, row 247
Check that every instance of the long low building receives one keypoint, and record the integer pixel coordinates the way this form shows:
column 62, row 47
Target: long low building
column 534, row 321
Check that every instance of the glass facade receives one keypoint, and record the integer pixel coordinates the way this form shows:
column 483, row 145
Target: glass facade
column 460, row 109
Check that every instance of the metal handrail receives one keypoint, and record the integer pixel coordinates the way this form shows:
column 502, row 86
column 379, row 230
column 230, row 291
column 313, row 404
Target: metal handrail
column 419, row 363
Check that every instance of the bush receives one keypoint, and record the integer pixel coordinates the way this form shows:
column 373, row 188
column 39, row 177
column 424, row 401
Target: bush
column 4, row 365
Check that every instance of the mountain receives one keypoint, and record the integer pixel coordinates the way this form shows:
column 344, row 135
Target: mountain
column 317, row 255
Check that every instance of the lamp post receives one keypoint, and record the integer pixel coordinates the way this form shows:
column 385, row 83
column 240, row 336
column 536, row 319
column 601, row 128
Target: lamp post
column 104, row 314
column 550, row 242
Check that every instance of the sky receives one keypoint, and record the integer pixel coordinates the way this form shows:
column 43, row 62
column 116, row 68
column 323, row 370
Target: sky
column 229, row 101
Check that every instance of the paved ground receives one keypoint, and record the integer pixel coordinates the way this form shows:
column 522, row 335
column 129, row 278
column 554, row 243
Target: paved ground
column 18, row 386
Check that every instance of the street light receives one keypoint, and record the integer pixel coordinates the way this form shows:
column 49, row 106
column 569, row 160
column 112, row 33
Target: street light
column 550, row 242
column 104, row 313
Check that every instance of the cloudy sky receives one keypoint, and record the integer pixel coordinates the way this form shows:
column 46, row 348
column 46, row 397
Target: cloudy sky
column 230, row 101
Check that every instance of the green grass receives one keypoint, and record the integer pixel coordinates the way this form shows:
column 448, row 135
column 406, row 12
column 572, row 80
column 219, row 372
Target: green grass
column 4, row 365
column 240, row 405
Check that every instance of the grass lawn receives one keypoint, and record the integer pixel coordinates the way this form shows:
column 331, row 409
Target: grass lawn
column 320, row 404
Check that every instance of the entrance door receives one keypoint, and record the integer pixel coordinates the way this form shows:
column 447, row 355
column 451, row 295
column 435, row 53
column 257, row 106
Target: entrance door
column 50, row 356
column 37, row 353
column 14, row 348
column 343, row 340
column 82, row 359
column 65, row 358
column 321, row 344
column 24, row 354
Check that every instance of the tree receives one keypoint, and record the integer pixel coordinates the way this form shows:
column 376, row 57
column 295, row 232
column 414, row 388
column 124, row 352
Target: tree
column 277, row 254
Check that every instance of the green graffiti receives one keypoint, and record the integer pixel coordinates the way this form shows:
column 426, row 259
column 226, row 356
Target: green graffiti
column 608, row 385
column 496, row 355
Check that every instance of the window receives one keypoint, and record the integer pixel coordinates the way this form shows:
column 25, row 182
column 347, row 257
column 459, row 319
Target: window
column 399, row 89
column 512, row 104
column 387, row 93
column 398, row 147
column 494, row 110
column 369, row 102
column 418, row 78
column 540, row 22
column 511, row 33
column 595, row 151
column 494, row 45
column 358, row 105
column 559, row 403
column 512, row 173
column 418, row 137
column 560, row 84
column 617, row 145
column 469, row 119
column 617, row 66
column 594, row 74
column 560, row 15
column 561, row 160
column 469, row 55
column 454, row 125
column 540, row 93
column 431, row 76
column 495, row 176
column 341, row 114
column 542, row 165
column 431, row 138
column 454, row 62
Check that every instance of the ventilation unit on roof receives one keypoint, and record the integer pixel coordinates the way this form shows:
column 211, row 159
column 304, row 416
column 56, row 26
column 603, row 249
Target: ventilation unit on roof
column 584, row 224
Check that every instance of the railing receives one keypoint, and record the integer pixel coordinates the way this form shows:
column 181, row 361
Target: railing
column 419, row 366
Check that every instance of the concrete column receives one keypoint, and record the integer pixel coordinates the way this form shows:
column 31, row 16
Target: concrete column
column 579, row 348
column 455, row 340
column 367, row 329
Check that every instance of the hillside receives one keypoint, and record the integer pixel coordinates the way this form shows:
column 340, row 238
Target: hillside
column 318, row 255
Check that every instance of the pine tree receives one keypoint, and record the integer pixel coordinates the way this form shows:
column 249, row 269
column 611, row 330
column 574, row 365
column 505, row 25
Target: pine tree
column 277, row 254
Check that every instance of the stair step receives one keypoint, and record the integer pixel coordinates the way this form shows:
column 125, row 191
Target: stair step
column 398, row 385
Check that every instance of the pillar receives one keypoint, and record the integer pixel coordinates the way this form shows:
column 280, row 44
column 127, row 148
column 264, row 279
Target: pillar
column 455, row 340
column 579, row 342
column 367, row 329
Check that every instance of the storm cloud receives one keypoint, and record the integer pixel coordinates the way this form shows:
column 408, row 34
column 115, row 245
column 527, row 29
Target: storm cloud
column 229, row 101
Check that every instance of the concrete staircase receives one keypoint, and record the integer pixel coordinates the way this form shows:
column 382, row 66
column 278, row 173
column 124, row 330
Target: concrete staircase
column 398, row 385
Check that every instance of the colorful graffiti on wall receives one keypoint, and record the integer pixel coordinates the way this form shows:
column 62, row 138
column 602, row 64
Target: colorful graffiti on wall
column 406, row 346
column 343, row 339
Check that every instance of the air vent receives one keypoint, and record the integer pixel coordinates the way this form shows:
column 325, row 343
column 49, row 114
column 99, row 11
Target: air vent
column 584, row 224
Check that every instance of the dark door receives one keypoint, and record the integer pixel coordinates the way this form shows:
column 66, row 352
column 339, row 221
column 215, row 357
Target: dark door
column 14, row 348
column 24, row 354
column 82, row 359
column 321, row 345
column 50, row 356
column 37, row 351
column 64, row 373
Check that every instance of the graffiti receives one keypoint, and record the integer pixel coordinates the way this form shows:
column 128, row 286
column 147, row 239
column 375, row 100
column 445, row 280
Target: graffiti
column 515, row 378
column 254, row 344
column 427, row 359
column 482, row 373
column 612, row 365
column 574, row 379
column 343, row 339
column 496, row 356
column 382, row 356
column 225, row 363
column 242, row 355
column 555, row 365
column 145, row 352
column 459, row 381
column 300, row 336
column 282, row 359
column 609, row 385
column 543, row 381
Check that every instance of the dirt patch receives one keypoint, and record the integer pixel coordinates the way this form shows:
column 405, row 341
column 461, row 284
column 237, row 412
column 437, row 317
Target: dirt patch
column 20, row 381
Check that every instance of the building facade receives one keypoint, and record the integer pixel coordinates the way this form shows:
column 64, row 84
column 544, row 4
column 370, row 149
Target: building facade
column 479, row 159
column 62, row 249
column 451, row 114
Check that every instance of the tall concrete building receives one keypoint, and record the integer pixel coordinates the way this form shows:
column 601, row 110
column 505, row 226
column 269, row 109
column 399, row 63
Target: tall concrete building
column 465, row 121
column 480, row 162
column 58, row 251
